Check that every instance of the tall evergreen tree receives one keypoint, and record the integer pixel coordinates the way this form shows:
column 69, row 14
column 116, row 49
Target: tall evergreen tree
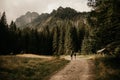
column 13, row 26
column 12, row 37
column 56, row 41
column 104, row 22
column 4, row 34
column 80, row 36
column 69, row 41
column 61, row 40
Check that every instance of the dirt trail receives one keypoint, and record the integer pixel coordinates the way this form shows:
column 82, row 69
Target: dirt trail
column 79, row 69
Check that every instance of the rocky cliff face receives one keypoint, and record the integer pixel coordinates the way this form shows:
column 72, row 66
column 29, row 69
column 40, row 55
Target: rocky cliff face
column 25, row 19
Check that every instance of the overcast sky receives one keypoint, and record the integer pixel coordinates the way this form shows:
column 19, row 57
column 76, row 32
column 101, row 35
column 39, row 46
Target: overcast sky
column 16, row 8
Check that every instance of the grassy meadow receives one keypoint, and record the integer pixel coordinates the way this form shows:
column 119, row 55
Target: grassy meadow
column 107, row 68
column 26, row 68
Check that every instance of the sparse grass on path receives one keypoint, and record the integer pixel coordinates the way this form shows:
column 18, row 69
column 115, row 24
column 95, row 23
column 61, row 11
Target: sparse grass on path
column 107, row 68
column 79, row 68
column 26, row 68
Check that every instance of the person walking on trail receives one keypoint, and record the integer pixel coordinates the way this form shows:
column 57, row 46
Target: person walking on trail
column 75, row 55
column 71, row 55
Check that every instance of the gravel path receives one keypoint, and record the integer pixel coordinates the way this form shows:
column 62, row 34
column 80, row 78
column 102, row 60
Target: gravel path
column 79, row 69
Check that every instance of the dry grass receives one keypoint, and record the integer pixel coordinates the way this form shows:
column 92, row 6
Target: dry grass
column 107, row 68
column 26, row 68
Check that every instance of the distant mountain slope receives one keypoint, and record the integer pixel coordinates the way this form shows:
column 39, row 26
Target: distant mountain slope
column 56, row 17
column 25, row 19
column 39, row 21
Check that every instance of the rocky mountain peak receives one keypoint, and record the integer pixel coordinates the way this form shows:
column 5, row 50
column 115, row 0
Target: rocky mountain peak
column 27, row 18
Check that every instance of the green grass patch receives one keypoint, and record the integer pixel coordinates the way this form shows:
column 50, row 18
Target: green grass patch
column 21, row 68
column 107, row 68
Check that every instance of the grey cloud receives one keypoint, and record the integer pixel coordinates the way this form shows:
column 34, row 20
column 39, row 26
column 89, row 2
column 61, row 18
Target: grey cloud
column 15, row 8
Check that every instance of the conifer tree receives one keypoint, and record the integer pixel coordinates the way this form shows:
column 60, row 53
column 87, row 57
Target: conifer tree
column 104, row 22
column 69, row 43
column 55, row 41
column 4, row 34
column 12, row 38
column 61, row 40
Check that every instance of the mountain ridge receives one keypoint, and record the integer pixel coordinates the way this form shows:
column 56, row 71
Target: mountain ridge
column 55, row 16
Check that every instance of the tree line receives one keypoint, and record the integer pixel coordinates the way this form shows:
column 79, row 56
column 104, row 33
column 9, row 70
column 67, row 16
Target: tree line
column 60, row 39
column 104, row 22
column 101, row 29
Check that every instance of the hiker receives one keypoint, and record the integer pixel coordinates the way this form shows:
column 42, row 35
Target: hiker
column 71, row 55
column 75, row 55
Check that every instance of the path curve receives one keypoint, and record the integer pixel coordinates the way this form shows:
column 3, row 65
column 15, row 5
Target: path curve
column 79, row 69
